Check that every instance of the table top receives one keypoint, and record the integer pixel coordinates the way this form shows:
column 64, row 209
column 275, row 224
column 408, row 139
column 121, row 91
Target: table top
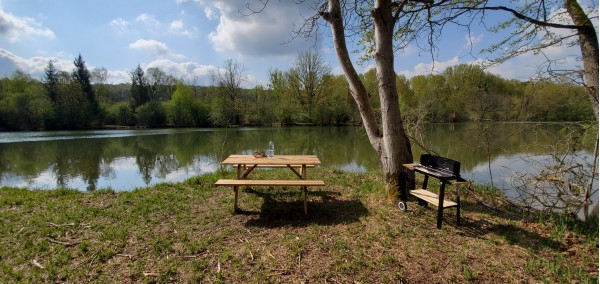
column 276, row 160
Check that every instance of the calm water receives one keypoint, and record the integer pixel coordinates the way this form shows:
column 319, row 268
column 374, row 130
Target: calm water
column 126, row 159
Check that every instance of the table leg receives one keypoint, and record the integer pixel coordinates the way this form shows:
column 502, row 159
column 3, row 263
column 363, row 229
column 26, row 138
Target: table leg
column 305, row 201
column 235, row 199
column 236, row 188
column 305, row 191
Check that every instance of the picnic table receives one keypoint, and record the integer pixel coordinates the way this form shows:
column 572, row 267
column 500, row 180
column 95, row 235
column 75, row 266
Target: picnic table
column 245, row 164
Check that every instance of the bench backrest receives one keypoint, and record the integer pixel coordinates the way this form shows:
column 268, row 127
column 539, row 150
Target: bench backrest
column 441, row 163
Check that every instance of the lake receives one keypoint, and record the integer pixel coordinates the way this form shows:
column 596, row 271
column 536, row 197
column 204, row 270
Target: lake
column 122, row 160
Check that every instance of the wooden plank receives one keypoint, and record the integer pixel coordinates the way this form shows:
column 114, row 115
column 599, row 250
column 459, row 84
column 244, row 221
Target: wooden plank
column 432, row 198
column 410, row 166
column 252, row 182
column 283, row 166
column 277, row 160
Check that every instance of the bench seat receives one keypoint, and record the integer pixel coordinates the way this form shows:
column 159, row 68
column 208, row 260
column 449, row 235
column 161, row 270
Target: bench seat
column 432, row 198
column 236, row 183
column 257, row 182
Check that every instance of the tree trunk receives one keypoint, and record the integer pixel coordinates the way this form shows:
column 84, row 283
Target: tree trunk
column 391, row 142
column 396, row 146
column 588, row 42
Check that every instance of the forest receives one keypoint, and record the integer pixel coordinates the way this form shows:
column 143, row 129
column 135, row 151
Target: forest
column 306, row 94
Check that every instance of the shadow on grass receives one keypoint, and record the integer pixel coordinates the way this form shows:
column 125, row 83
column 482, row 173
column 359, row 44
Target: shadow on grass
column 513, row 234
column 286, row 208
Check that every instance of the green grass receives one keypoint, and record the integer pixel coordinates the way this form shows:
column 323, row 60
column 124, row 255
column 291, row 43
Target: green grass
column 187, row 232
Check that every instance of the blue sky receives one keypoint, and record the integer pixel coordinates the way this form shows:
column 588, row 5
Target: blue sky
column 190, row 38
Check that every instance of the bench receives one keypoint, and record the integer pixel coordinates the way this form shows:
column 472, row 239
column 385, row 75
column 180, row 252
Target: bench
column 250, row 182
column 448, row 172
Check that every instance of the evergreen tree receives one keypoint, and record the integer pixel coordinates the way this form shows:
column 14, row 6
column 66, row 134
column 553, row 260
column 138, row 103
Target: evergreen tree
column 139, row 91
column 82, row 76
column 51, row 81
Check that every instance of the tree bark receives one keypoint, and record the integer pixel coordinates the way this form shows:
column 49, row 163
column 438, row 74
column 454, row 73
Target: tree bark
column 396, row 146
column 588, row 42
column 390, row 142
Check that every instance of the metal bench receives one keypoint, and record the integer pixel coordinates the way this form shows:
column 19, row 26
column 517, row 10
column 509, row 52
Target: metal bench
column 448, row 172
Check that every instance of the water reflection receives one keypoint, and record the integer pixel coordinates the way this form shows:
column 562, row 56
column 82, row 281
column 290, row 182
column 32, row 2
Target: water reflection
column 126, row 159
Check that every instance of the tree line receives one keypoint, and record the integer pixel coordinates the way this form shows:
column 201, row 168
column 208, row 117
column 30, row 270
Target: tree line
column 308, row 93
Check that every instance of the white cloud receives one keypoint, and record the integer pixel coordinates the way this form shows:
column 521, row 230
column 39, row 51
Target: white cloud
column 155, row 48
column 34, row 66
column 436, row 67
column 191, row 72
column 118, row 77
column 210, row 13
column 148, row 20
column 178, row 27
column 471, row 40
column 14, row 28
column 119, row 23
column 264, row 34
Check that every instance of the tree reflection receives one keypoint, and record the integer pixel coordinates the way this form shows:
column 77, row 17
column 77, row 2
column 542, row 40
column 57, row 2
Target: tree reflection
column 152, row 155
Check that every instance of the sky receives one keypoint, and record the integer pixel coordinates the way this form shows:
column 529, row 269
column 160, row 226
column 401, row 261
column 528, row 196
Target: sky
column 189, row 39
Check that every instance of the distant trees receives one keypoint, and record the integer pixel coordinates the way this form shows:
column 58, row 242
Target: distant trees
column 156, row 99
column 81, row 75
column 140, row 91
column 229, row 80
column 308, row 80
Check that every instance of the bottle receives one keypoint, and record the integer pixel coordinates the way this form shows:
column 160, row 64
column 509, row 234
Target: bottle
column 271, row 150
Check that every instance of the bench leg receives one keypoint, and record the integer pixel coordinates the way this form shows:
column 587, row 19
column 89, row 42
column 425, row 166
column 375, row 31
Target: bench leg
column 457, row 205
column 235, row 199
column 441, row 206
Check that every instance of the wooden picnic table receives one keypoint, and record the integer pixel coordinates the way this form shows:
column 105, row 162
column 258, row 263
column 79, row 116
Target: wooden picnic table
column 245, row 164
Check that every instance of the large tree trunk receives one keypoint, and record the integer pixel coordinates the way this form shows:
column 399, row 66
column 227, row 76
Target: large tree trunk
column 588, row 42
column 391, row 142
column 396, row 146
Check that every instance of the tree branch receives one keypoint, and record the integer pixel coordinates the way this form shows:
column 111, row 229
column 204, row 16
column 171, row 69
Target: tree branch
column 524, row 17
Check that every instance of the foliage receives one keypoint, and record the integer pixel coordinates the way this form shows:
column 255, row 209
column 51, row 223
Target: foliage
column 92, row 116
column 120, row 114
column 151, row 114
column 139, row 92
column 461, row 93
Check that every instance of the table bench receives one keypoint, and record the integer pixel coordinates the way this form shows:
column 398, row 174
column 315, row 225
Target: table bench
column 251, row 182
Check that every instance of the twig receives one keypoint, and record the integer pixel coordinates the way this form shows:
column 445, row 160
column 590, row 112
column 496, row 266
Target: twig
column 60, row 225
column 150, row 273
column 125, row 255
column 63, row 243
column 190, row 256
column 93, row 258
column 37, row 264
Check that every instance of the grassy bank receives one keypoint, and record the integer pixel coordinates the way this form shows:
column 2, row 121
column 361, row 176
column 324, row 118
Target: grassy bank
column 186, row 232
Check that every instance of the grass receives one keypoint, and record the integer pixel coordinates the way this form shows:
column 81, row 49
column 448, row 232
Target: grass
column 187, row 232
